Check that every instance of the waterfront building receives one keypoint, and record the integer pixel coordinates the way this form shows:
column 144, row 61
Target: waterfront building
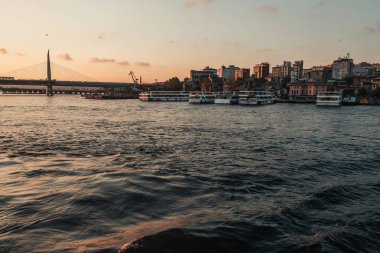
column 359, row 80
column 375, row 83
column 242, row 74
column 217, row 83
column 196, row 76
column 276, row 72
column 251, row 84
column 319, row 73
column 268, row 78
column 306, row 73
column 287, row 69
column 363, row 69
column 307, row 89
column 342, row 86
column 261, row 70
column 376, row 67
column 211, row 83
column 297, row 71
column 342, row 68
column 228, row 73
column 281, row 72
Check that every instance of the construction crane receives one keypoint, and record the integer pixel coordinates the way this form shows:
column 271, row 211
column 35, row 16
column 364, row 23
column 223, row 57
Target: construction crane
column 134, row 78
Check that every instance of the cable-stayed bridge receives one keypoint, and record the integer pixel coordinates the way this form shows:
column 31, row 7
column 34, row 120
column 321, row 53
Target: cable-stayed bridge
column 49, row 74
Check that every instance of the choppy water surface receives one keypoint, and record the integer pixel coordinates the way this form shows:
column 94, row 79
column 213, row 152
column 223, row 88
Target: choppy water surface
column 91, row 176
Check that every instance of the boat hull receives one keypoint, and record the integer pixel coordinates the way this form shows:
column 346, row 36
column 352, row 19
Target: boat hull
column 177, row 99
column 265, row 102
column 248, row 102
column 256, row 98
column 164, row 96
column 352, row 101
column 331, row 99
column 201, row 101
column 222, row 101
column 330, row 104
column 202, row 98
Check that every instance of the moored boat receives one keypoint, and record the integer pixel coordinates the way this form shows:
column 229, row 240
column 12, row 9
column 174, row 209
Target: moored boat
column 256, row 97
column 329, row 99
column 166, row 96
column 349, row 100
column 226, row 98
column 202, row 98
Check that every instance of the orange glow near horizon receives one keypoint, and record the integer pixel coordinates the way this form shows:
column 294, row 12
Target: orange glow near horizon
column 162, row 39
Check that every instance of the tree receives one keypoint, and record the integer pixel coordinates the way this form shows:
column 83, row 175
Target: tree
column 230, row 86
column 206, row 84
column 173, row 84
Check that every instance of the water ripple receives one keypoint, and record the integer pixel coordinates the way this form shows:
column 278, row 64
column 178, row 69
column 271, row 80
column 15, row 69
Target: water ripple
column 79, row 176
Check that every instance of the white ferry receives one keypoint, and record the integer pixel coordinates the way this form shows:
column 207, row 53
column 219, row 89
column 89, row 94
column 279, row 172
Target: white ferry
column 202, row 98
column 226, row 98
column 256, row 97
column 168, row 96
column 329, row 99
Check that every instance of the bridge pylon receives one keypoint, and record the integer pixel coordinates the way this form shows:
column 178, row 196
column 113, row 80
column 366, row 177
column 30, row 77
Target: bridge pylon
column 49, row 86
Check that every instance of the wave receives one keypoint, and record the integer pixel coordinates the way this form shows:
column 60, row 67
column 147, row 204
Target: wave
column 181, row 241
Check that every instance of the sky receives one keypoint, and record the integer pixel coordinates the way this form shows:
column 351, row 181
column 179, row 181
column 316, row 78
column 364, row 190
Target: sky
column 159, row 39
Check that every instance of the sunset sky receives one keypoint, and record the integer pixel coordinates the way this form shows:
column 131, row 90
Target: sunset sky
column 158, row 39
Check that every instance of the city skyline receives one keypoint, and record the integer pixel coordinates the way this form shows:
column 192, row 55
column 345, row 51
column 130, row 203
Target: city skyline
column 162, row 39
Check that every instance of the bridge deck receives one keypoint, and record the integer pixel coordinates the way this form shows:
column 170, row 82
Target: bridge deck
column 67, row 83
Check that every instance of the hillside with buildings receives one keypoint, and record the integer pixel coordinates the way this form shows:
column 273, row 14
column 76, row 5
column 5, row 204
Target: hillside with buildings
column 291, row 81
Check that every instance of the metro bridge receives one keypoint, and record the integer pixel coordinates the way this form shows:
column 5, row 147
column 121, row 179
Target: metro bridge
column 49, row 74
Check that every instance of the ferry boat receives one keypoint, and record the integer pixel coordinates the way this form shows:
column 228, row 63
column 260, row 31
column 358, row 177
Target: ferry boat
column 227, row 98
column 115, row 94
column 202, row 98
column 349, row 100
column 256, row 97
column 329, row 99
column 167, row 96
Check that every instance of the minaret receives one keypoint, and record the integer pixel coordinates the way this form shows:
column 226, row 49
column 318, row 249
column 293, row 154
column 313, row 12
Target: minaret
column 49, row 87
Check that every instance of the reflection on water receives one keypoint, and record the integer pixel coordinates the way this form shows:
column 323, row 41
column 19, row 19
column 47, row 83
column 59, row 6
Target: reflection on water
column 86, row 175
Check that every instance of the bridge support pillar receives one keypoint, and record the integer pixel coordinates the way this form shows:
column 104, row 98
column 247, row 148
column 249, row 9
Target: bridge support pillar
column 49, row 90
